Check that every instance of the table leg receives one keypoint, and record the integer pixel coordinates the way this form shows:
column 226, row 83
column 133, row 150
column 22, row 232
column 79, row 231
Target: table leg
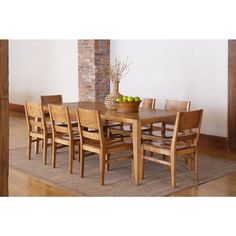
column 136, row 149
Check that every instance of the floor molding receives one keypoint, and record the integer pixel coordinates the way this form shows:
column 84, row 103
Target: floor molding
column 16, row 107
column 211, row 141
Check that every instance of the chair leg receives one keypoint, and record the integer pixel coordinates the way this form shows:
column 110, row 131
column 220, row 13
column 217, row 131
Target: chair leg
column 132, row 168
column 74, row 157
column 54, row 150
column 45, row 145
column 163, row 129
column 196, row 165
column 29, row 145
column 102, row 167
column 79, row 151
column 142, row 162
column 71, row 156
column 173, row 170
column 121, row 135
column 186, row 160
column 189, row 161
column 108, row 133
column 167, row 158
column 107, row 156
column 82, row 163
column 37, row 146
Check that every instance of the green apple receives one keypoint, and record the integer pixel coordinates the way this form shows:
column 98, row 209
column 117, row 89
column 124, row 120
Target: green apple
column 130, row 99
column 124, row 98
column 119, row 99
column 137, row 99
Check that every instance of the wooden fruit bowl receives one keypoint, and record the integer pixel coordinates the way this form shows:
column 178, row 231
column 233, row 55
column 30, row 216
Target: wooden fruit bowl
column 128, row 106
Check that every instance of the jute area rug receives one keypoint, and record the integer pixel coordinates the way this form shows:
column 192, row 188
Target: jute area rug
column 118, row 181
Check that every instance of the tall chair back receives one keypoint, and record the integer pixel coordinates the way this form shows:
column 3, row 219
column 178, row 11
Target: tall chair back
column 35, row 117
column 174, row 105
column 51, row 99
column 187, row 127
column 90, row 127
column 60, row 121
column 148, row 103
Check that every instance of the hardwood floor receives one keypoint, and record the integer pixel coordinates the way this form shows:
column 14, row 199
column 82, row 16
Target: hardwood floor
column 21, row 184
column 221, row 187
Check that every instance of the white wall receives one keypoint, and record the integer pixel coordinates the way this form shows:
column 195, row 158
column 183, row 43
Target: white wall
column 41, row 67
column 194, row 70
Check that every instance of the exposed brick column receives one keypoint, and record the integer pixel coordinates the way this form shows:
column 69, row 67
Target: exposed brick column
column 94, row 83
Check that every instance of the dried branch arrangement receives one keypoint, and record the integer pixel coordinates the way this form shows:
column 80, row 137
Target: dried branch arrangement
column 118, row 70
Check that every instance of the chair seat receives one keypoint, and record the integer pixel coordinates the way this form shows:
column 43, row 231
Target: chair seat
column 110, row 144
column 76, row 136
column 110, row 124
column 116, row 143
column 166, row 144
column 128, row 128
column 66, row 137
column 40, row 133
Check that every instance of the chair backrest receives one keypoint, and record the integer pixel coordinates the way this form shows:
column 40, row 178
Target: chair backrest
column 60, row 120
column 148, row 103
column 51, row 99
column 174, row 105
column 35, row 117
column 89, row 124
column 187, row 127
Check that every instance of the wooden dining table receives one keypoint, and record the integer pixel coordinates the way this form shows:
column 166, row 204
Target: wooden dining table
column 143, row 117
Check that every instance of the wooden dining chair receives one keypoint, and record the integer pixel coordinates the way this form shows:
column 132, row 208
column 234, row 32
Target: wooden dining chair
column 50, row 99
column 174, row 105
column 168, row 126
column 37, row 128
column 183, row 143
column 62, row 135
column 55, row 100
column 93, row 140
column 125, row 130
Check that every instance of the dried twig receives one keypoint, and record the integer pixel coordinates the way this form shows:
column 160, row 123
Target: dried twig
column 118, row 70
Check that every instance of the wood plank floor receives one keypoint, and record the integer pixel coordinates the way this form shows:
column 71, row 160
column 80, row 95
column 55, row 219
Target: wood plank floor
column 21, row 184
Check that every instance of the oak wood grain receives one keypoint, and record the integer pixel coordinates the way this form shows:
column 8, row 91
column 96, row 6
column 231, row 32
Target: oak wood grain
column 4, row 123
column 232, row 94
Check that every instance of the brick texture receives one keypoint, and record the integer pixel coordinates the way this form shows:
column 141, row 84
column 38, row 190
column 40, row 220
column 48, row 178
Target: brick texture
column 94, row 83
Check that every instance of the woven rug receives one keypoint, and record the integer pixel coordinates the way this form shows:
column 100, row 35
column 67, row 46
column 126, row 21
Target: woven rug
column 118, row 181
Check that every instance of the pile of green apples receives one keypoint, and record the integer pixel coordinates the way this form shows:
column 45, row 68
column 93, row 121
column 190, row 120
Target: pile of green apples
column 128, row 99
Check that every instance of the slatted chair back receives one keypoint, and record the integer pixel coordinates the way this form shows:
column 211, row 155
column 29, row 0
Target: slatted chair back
column 89, row 124
column 187, row 127
column 60, row 120
column 174, row 105
column 35, row 117
column 148, row 103
column 51, row 99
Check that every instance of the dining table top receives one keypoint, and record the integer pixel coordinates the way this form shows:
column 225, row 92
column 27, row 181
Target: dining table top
column 145, row 115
